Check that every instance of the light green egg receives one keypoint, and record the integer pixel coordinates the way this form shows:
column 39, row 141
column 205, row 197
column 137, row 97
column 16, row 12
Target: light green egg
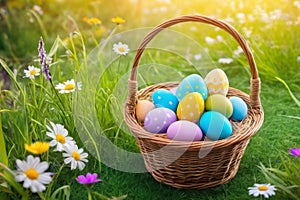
column 219, row 103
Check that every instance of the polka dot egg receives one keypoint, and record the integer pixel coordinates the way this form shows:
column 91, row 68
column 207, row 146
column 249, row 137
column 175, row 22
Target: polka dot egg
column 164, row 98
column 191, row 107
column 192, row 83
column 159, row 119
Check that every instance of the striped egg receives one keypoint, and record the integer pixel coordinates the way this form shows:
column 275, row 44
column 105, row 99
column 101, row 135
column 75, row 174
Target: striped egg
column 217, row 82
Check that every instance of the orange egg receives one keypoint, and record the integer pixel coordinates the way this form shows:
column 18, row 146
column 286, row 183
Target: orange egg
column 142, row 108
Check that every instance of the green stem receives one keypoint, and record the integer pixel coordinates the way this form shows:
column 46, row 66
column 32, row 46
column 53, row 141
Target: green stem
column 56, row 93
column 118, row 75
column 108, row 38
column 89, row 194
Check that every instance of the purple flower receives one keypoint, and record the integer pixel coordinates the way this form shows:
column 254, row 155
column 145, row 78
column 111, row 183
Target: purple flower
column 42, row 55
column 88, row 179
column 295, row 151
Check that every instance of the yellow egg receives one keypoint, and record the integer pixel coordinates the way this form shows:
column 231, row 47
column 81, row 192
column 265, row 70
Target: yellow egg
column 217, row 82
column 142, row 108
column 191, row 107
column 219, row 103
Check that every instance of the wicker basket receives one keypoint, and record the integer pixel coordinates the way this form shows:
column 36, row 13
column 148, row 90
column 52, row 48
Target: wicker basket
column 199, row 164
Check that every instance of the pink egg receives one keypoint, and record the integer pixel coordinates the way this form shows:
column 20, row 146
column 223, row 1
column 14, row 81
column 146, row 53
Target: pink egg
column 184, row 131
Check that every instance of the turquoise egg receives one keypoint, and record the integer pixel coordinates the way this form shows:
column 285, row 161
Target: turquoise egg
column 165, row 99
column 215, row 125
column 240, row 108
column 192, row 83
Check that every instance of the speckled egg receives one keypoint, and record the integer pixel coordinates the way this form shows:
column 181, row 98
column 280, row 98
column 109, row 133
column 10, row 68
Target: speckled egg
column 240, row 108
column 191, row 107
column 184, row 131
column 219, row 103
column 159, row 119
column 217, row 82
column 142, row 108
column 215, row 125
column 192, row 83
column 164, row 98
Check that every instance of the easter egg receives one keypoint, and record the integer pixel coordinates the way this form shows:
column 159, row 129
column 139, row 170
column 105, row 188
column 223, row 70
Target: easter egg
column 215, row 125
column 184, row 131
column 240, row 108
column 219, row 103
column 159, row 119
column 173, row 90
column 192, row 83
column 164, row 98
column 142, row 108
column 191, row 107
column 217, row 82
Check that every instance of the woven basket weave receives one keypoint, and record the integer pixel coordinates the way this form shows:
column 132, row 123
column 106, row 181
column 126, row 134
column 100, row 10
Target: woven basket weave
column 199, row 164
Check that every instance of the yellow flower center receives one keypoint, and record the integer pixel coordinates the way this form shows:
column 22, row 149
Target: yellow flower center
column 76, row 155
column 263, row 188
column 38, row 147
column 69, row 86
column 32, row 174
column 32, row 72
column 60, row 138
column 121, row 49
column 118, row 20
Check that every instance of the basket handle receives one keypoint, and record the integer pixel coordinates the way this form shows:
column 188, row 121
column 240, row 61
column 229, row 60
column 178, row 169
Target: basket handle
column 254, row 83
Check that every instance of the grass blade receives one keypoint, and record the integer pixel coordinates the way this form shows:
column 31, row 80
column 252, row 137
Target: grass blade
column 3, row 154
column 290, row 92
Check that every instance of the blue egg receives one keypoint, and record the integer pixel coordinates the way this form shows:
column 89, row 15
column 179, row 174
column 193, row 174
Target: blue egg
column 165, row 99
column 240, row 108
column 215, row 125
column 192, row 83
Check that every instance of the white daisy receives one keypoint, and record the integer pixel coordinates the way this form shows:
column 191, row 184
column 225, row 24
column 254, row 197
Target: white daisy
column 31, row 72
column 59, row 135
column 75, row 156
column 262, row 189
column 209, row 40
column 32, row 172
column 197, row 56
column 219, row 38
column 38, row 9
column 237, row 52
column 68, row 86
column 225, row 60
column 121, row 49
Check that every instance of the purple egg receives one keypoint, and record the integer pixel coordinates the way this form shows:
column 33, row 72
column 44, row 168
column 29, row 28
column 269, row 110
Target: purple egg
column 184, row 131
column 159, row 119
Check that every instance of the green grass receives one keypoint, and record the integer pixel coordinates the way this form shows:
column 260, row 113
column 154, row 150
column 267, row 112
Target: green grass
column 32, row 104
column 277, row 134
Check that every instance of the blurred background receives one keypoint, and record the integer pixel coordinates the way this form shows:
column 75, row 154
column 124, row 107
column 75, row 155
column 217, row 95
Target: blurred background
column 22, row 22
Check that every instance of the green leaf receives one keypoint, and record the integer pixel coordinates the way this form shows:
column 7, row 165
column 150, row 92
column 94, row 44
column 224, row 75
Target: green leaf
column 55, row 46
column 9, row 178
column 3, row 154
column 62, row 193
column 119, row 198
column 100, row 196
